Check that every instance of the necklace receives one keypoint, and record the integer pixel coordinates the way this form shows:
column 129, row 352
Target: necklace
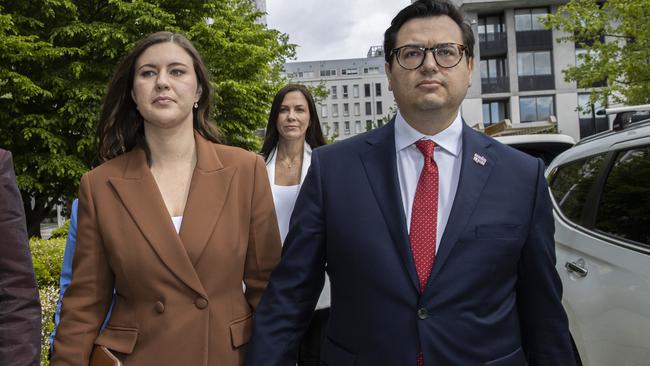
column 289, row 164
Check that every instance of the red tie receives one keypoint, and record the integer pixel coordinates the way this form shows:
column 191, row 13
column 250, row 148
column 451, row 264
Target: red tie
column 424, row 218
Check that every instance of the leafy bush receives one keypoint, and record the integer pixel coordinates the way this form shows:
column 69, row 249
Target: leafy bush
column 49, row 296
column 61, row 232
column 47, row 256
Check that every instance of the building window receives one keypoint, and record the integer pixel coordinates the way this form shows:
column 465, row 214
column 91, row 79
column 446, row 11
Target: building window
column 378, row 89
column 345, row 91
column 346, row 109
column 494, row 111
column 538, row 108
column 368, row 108
column 368, row 125
column 350, row 71
column 355, row 91
column 357, row 109
column 328, row 73
column 326, row 129
column 357, row 127
column 366, row 90
column 334, row 95
column 530, row 19
column 380, row 122
column 491, row 28
column 494, row 68
column 335, row 110
column 534, row 63
column 323, row 110
column 346, row 125
column 371, row 70
column 379, row 110
column 336, row 128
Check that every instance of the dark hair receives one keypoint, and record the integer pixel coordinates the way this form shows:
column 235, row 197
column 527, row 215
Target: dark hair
column 121, row 127
column 314, row 135
column 424, row 9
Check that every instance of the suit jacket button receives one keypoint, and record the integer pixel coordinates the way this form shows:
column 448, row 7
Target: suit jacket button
column 423, row 313
column 201, row 303
column 160, row 307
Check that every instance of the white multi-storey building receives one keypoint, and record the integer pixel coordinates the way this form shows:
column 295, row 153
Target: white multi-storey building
column 261, row 6
column 358, row 99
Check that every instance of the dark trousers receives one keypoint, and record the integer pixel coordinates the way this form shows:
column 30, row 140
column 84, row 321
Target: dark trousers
column 309, row 352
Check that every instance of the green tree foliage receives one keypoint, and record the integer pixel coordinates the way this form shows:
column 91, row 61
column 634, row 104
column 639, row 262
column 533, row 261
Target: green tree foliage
column 56, row 57
column 623, row 59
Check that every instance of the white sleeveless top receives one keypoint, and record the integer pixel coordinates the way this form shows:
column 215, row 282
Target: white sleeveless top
column 284, row 198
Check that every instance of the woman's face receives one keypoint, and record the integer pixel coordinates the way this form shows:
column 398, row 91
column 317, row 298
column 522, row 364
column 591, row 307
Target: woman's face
column 165, row 86
column 293, row 119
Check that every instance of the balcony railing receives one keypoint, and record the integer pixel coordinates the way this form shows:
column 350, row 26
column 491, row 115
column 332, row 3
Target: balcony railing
column 537, row 40
column 493, row 44
column 495, row 85
column 536, row 82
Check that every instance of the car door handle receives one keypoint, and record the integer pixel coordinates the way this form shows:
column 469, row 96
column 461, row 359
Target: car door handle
column 577, row 267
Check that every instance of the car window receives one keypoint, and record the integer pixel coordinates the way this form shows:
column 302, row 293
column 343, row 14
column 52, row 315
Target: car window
column 571, row 185
column 624, row 207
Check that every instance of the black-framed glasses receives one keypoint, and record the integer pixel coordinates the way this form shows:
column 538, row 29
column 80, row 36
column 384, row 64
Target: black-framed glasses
column 411, row 57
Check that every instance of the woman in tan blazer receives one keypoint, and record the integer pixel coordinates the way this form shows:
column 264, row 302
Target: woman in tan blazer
column 172, row 222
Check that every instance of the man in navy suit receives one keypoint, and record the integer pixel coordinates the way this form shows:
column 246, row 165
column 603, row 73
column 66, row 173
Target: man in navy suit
column 437, row 239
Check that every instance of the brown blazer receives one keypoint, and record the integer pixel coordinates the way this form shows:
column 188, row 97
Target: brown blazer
column 20, row 310
column 179, row 297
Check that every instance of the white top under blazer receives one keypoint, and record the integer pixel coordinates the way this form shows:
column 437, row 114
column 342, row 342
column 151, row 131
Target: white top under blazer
column 284, row 198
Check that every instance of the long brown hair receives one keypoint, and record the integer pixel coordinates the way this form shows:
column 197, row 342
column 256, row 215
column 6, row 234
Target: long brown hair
column 121, row 127
column 314, row 135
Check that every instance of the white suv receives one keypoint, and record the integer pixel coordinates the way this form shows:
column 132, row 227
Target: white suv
column 601, row 199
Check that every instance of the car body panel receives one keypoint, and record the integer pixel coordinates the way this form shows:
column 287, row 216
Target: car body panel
column 608, row 308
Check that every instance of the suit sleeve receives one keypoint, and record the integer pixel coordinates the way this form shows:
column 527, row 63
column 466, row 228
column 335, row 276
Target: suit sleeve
column 545, row 331
column 89, row 295
column 263, row 252
column 287, row 305
column 20, row 311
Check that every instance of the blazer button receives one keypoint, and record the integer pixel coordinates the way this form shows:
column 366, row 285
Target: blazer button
column 201, row 303
column 160, row 307
column 423, row 313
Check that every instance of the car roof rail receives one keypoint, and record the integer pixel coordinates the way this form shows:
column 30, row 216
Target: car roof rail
column 626, row 114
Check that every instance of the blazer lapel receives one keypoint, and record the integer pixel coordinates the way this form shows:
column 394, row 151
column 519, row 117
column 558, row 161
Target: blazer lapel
column 141, row 197
column 473, row 177
column 380, row 163
column 208, row 192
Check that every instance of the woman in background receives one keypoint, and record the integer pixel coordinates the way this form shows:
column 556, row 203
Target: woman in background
column 293, row 130
column 172, row 221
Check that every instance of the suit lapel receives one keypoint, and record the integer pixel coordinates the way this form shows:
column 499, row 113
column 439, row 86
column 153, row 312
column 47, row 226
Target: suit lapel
column 208, row 192
column 141, row 197
column 472, row 180
column 380, row 163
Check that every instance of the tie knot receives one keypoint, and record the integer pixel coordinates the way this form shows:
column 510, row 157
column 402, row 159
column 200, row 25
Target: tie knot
column 426, row 147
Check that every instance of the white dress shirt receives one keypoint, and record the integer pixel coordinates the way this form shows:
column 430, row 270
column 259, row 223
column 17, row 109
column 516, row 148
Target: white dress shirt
column 410, row 162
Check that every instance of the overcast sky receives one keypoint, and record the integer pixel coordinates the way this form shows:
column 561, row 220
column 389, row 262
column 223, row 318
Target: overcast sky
column 332, row 29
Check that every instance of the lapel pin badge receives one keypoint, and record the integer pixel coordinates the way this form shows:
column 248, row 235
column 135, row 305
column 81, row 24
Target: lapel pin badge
column 479, row 159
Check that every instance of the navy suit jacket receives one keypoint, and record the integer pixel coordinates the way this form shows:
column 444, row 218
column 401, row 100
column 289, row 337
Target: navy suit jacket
column 493, row 296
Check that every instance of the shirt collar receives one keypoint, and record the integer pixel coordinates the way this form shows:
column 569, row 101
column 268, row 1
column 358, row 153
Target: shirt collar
column 448, row 139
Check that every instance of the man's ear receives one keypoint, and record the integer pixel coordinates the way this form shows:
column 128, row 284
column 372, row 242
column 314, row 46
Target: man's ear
column 387, row 70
